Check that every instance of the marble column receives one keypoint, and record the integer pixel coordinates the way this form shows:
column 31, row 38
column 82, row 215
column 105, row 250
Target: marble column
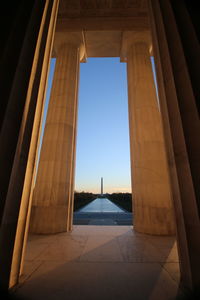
column 181, row 127
column 72, row 184
column 17, row 130
column 52, row 194
column 191, row 45
column 152, row 203
column 26, row 200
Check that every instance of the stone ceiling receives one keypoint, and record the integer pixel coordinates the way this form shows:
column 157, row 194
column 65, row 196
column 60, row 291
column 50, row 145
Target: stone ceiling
column 102, row 22
column 104, row 8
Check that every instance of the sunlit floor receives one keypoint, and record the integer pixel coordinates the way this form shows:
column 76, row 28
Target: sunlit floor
column 100, row 262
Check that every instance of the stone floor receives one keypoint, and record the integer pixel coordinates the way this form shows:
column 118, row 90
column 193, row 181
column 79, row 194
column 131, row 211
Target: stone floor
column 100, row 262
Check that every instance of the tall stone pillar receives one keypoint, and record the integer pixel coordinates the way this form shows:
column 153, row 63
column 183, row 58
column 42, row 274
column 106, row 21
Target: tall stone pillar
column 26, row 199
column 71, row 200
column 21, row 108
column 191, row 45
column 152, row 204
column 177, row 86
column 51, row 211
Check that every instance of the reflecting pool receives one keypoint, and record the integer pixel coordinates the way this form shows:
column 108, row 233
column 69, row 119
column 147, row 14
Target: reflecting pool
column 101, row 205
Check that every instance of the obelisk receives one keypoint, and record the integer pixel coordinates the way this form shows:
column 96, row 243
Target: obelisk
column 101, row 186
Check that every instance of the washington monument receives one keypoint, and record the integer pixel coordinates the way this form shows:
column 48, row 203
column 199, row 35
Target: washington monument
column 101, row 186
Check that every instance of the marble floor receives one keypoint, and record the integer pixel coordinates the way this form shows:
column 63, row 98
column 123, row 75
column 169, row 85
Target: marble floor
column 100, row 262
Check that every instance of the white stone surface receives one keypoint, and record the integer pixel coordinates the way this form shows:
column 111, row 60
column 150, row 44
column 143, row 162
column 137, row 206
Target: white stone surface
column 100, row 262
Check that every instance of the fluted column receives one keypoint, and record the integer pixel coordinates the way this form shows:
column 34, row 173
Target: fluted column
column 51, row 201
column 152, row 205
column 19, row 128
column 175, row 61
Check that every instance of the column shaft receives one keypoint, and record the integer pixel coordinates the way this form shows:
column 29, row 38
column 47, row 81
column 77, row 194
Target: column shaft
column 72, row 184
column 52, row 193
column 16, row 133
column 152, row 205
column 181, row 128
column 191, row 45
column 49, row 20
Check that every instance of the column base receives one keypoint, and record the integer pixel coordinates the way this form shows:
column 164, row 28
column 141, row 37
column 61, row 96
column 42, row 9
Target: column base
column 155, row 221
column 48, row 219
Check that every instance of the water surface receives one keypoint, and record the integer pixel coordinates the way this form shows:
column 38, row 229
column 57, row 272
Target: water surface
column 101, row 205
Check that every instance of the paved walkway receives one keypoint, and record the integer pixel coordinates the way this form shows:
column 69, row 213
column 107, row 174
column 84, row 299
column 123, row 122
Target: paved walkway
column 100, row 262
column 104, row 218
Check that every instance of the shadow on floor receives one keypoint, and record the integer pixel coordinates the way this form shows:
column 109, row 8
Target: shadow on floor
column 101, row 262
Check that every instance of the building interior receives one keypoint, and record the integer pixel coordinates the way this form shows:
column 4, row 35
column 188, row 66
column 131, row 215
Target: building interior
column 41, row 253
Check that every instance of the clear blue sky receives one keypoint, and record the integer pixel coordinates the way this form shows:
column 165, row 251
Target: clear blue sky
column 103, row 134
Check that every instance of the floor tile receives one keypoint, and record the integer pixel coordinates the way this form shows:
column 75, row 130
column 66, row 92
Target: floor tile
column 100, row 262
column 97, row 281
column 101, row 248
